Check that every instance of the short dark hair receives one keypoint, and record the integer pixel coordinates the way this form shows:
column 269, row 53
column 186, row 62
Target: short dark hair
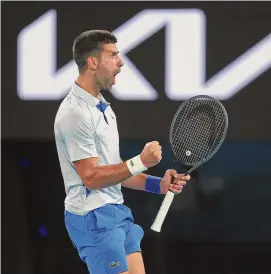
column 88, row 44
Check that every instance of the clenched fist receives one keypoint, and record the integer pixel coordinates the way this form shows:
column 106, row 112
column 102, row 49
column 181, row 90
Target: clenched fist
column 151, row 154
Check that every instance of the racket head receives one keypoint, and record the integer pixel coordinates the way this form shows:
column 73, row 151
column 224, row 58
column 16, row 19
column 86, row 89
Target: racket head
column 198, row 130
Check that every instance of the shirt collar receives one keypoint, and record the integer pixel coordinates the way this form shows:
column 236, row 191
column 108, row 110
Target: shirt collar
column 90, row 99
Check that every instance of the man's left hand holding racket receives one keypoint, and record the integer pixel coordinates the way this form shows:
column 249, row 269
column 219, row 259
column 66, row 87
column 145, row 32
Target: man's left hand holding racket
column 172, row 180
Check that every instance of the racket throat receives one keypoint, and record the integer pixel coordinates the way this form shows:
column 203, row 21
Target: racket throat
column 182, row 169
column 189, row 171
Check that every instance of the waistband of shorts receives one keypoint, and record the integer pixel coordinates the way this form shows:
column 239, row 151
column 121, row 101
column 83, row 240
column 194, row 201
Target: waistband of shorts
column 105, row 217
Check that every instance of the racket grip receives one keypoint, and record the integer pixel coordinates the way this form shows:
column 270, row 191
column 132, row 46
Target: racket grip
column 162, row 213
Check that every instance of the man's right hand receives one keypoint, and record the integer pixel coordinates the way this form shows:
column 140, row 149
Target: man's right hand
column 151, row 154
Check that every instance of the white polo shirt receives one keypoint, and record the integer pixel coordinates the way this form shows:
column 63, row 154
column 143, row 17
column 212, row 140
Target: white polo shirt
column 81, row 132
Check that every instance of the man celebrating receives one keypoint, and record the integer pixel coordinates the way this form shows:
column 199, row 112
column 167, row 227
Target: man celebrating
column 100, row 226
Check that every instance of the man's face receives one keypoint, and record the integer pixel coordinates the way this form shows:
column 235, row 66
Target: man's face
column 109, row 66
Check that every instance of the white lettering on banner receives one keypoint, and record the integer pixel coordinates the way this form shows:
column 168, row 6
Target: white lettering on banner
column 184, row 59
column 37, row 78
column 184, row 50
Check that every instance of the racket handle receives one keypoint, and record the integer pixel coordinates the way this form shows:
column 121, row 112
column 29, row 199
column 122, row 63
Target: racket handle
column 162, row 213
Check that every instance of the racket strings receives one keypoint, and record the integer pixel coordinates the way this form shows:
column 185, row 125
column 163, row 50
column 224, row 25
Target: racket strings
column 197, row 136
column 220, row 124
column 197, row 130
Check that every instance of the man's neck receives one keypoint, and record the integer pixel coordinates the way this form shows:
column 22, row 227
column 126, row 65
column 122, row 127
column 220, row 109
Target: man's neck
column 87, row 85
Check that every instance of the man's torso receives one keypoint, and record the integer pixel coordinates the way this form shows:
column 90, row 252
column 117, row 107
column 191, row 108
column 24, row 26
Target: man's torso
column 104, row 144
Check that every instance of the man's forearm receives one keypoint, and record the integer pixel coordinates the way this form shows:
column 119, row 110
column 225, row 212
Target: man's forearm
column 105, row 176
column 136, row 182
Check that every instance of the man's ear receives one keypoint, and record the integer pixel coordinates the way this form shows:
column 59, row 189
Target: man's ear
column 93, row 62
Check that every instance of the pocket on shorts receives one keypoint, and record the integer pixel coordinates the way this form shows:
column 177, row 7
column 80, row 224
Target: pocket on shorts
column 101, row 219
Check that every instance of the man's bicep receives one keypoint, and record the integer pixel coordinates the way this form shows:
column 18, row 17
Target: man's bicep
column 78, row 134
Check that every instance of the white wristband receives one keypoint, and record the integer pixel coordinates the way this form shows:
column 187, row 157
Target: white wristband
column 135, row 165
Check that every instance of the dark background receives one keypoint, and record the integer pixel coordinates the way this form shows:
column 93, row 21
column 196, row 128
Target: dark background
column 219, row 224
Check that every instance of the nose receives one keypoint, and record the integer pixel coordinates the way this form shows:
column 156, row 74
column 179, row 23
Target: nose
column 121, row 63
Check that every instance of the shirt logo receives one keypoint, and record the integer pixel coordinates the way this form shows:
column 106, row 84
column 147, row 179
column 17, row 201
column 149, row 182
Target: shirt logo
column 87, row 145
column 114, row 264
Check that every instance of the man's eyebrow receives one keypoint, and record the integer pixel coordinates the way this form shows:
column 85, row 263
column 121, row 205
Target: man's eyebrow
column 113, row 51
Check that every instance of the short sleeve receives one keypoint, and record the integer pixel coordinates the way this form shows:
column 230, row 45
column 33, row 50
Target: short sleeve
column 77, row 130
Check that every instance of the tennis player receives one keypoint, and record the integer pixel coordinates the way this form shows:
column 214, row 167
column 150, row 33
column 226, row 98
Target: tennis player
column 100, row 226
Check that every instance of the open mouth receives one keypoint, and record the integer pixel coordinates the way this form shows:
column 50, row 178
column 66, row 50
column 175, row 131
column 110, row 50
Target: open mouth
column 114, row 78
column 117, row 73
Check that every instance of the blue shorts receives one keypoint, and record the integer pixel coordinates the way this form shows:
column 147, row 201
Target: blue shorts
column 104, row 237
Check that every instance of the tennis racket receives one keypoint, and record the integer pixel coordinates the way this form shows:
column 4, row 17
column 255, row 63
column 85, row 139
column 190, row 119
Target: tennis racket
column 197, row 131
